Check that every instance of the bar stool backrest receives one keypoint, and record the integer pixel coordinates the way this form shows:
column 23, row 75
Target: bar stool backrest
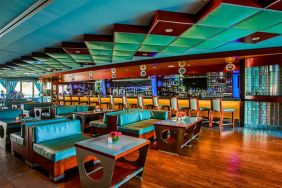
column 112, row 99
column 155, row 101
column 216, row 105
column 124, row 100
column 173, row 103
column 194, row 104
column 99, row 99
column 140, row 101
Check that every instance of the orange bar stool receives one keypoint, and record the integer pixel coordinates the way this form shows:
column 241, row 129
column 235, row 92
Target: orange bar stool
column 173, row 105
column 140, row 102
column 148, row 103
column 156, row 104
column 195, row 107
column 216, row 107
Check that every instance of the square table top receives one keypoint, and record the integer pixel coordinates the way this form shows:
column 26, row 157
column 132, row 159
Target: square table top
column 114, row 150
column 181, row 124
column 93, row 112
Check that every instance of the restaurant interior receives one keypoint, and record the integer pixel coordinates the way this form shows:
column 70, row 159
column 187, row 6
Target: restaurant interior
column 151, row 93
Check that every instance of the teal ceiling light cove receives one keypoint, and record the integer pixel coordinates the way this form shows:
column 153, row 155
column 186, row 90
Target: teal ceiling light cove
column 101, row 52
column 126, row 47
column 185, row 42
column 201, row 32
column 275, row 29
column 129, row 37
column 232, row 34
column 161, row 40
column 107, row 58
column 261, row 21
column 226, row 15
column 121, row 58
column 174, row 49
column 123, row 53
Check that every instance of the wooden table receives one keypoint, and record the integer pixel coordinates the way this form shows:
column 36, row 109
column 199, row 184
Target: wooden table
column 173, row 135
column 88, row 115
column 113, row 169
column 39, row 110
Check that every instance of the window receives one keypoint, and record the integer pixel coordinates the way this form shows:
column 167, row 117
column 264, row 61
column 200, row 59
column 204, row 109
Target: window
column 36, row 91
column 27, row 89
column 18, row 87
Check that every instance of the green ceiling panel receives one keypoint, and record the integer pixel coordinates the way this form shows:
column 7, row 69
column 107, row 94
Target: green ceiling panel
column 174, row 49
column 102, row 57
column 122, row 58
column 161, row 40
column 232, row 34
column 102, row 62
column 83, row 57
column 68, row 60
column 185, row 42
column 210, row 44
column 201, row 32
column 275, row 29
column 58, row 55
column 129, row 38
column 126, row 47
column 150, row 48
column 227, row 15
column 100, row 45
column 261, row 20
column 101, row 52
column 123, row 53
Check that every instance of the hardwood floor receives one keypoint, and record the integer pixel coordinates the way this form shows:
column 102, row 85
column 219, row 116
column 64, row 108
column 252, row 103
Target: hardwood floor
column 241, row 158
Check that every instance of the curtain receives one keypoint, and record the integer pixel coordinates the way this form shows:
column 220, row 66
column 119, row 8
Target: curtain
column 38, row 86
column 11, row 85
column 3, row 83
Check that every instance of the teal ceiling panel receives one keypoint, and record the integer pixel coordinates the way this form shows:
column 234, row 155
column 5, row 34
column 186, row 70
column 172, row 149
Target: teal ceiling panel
column 227, row 15
column 126, row 47
column 121, row 58
column 232, row 34
column 201, row 32
column 161, row 40
column 185, row 42
column 101, row 52
column 100, row 45
column 275, row 29
column 261, row 20
column 174, row 49
column 102, row 57
column 210, row 44
column 123, row 53
column 129, row 37
column 150, row 48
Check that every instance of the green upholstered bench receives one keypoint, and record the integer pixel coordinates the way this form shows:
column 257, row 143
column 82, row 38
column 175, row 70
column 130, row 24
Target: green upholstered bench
column 19, row 140
column 53, row 146
column 140, row 123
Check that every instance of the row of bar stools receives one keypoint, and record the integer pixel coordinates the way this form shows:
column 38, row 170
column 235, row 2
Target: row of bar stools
column 195, row 107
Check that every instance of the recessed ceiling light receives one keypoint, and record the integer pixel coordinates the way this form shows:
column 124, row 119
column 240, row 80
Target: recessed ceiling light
column 154, row 67
column 171, row 66
column 77, row 51
column 169, row 30
column 255, row 38
column 144, row 54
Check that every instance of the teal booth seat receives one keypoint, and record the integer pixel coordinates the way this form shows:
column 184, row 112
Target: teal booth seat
column 10, row 114
column 56, row 141
column 140, row 122
column 19, row 137
column 67, row 111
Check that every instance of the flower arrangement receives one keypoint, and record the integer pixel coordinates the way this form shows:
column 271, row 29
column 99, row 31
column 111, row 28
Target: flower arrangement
column 98, row 107
column 180, row 115
column 115, row 135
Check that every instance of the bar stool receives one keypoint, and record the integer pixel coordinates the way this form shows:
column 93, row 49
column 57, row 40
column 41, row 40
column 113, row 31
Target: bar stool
column 173, row 105
column 195, row 107
column 148, row 105
column 112, row 104
column 119, row 104
column 124, row 102
column 107, row 103
column 216, row 106
column 184, row 108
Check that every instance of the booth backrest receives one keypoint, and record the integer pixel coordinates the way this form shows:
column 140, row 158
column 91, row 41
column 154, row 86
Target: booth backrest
column 40, row 122
column 128, row 118
column 71, row 109
column 159, row 114
column 10, row 113
column 30, row 106
column 56, row 130
column 82, row 108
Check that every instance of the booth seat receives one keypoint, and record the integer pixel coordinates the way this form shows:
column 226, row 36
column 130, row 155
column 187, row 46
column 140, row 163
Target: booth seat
column 20, row 139
column 53, row 146
column 140, row 123
column 8, row 103
column 28, row 108
column 67, row 111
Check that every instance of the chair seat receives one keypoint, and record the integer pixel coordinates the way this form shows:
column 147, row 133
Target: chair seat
column 59, row 149
column 140, row 127
column 228, row 110
column 204, row 109
column 98, row 123
column 17, row 138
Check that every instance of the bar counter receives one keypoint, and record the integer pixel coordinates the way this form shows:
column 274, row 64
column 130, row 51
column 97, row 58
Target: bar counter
column 203, row 102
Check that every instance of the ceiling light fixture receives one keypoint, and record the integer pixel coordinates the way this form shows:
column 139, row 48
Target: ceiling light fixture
column 144, row 54
column 169, row 30
column 77, row 51
column 255, row 38
column 171, row 66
